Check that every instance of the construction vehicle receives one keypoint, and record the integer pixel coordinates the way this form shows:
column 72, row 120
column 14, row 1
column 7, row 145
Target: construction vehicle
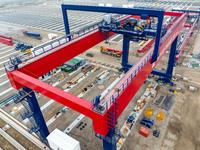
column 32, row 34
column 90, row 54
column 24, row 48
column 109, row 51
column 19, row 46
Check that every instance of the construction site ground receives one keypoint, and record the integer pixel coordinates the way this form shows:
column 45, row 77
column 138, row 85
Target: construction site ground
column 5, row 145
column 179, row 131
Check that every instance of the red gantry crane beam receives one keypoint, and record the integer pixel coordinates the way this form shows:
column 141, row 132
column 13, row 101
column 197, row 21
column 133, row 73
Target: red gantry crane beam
column 27, row 73
column 189, row 34
column 51, row 59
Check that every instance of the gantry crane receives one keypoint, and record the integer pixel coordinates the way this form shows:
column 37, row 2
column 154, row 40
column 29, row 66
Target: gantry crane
column 23, row 71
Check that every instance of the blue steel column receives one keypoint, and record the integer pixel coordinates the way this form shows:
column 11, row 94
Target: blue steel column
column 158, row 37
column 172, row 56
column 109, row 145
column 66, row 22
column 126, row 44
column 37, row 114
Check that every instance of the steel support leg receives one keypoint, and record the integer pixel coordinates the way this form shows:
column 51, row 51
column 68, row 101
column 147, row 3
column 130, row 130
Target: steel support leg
column 66, row 22
column 43, row 131
column 158, row 37
column 109, row 145
column 126, row 44
column 172, row 57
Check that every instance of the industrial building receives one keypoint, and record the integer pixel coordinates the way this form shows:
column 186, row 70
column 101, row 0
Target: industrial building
column 105, row 74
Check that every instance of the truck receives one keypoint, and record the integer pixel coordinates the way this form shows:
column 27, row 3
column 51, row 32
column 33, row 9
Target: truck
column 109, row 51
column 32, row 34
column 23, row 47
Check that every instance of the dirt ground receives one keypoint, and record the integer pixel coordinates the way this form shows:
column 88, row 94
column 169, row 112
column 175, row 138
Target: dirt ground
column 5, row 145
column 16, row 32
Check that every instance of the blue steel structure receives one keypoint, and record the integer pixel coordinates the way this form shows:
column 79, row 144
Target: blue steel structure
column 110, row 140
column 166, row 76
column 32, row 111
column 129, row 11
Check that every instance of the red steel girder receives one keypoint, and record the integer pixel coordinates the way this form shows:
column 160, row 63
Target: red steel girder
column 59, row 55
column 67, row 99
column 189, row 34
column 174, row 14
column 146, row 46
column 51, row 59
column 186, row 26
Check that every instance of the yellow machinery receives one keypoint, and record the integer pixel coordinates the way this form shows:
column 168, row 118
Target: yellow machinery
column 143, row 42
column 111, row 52
column 28, row 51
column 160, row 116
column 148, row 112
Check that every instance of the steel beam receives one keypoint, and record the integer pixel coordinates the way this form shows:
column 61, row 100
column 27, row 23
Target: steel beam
column 160, row 73
column 48, row 61
column 172, row 56
column 157, row 40
column 37, row 115
column 116, row 10
column 80, row 105
column 66, row 22
column 125, row 54
column 189, row 34
column 174, row 14
column 133, row 87
column 146, row 46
